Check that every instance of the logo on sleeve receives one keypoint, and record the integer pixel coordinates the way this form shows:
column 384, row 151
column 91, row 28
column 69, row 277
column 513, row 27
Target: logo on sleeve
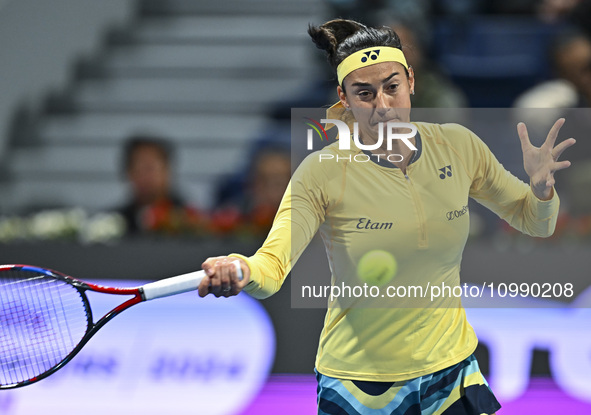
column 445, row 172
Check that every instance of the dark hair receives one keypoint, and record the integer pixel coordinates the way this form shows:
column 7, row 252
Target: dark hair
column 563, row 39
column 163, row 147
column 340, row 38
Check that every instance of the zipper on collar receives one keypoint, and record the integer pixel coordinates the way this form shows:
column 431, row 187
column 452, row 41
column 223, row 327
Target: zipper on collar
column 420, row 212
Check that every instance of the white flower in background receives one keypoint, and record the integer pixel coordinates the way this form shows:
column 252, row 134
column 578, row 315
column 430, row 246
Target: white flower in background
column 103, row 227
column 53, row 224
column 11, row 228
column 74, row 224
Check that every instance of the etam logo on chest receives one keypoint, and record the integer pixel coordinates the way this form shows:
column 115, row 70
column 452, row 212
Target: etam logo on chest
column 392, row 132
column 366, row 223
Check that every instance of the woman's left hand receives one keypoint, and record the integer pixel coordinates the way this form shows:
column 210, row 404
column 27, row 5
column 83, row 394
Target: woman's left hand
column 542, row 162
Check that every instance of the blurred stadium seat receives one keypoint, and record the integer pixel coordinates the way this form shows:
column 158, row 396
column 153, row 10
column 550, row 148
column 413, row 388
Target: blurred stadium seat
column 493, row 59
column 200, row 73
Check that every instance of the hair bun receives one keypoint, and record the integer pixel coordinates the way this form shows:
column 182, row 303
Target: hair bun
column 340, row 38
column 331, row 34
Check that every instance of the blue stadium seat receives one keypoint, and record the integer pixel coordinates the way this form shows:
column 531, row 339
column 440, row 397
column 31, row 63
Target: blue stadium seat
column 493, row 59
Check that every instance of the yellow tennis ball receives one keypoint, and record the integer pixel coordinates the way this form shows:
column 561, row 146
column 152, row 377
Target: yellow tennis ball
column 377, row 267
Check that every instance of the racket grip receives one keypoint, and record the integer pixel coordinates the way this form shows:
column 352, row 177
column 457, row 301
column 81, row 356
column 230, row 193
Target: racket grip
column 179, row 284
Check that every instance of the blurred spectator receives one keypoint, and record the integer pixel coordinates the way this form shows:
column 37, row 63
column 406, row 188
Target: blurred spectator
column 570, row 56
column 555, row 10
column 153, row 205
column 581, row 16
column 322, row 91
column 249, row 202
column 433, row 89
column 571, row 62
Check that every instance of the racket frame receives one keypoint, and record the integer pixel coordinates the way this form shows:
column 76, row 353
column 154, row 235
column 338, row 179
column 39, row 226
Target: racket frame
column 158, row 289
column 92, row 328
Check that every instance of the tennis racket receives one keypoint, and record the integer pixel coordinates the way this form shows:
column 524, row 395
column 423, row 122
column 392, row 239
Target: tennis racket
column 46, row 318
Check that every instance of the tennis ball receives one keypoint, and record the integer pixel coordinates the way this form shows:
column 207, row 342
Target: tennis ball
column 377, row 267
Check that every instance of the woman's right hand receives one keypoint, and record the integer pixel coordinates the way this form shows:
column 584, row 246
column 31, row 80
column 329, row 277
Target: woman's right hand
column 221, row 277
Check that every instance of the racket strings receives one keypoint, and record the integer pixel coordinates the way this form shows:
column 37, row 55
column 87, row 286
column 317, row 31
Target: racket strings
column 42, row 319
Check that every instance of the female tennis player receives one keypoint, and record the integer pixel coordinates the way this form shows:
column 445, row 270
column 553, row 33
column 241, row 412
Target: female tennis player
column 405, row 360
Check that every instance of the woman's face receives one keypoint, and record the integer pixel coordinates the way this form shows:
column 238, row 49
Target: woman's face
column 378, row 93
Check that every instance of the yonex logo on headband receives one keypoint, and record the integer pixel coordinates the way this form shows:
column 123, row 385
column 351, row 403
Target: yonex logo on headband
column 369, row 56
column 372, row 54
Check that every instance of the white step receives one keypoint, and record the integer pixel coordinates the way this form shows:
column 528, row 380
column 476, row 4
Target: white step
column 268, row 59
column 233, row 7
column 182, row 94
column 288, row 29
column 104, row 162
column 202, row 128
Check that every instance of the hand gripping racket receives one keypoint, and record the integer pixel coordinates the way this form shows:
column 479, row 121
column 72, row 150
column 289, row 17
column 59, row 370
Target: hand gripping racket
column 46, row 318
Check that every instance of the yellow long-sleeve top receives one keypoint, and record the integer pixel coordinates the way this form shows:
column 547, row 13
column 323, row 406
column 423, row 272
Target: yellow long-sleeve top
column 382, row 340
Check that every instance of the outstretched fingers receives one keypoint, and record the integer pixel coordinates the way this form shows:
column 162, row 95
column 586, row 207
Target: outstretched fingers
column 561, row 165
column 553, row 134
column 557, row 151
column 523, row 136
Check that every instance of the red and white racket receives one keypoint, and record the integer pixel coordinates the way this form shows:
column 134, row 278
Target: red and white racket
column 46, row 318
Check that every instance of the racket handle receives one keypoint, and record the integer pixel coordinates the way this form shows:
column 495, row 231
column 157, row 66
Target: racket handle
column 179, row 284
